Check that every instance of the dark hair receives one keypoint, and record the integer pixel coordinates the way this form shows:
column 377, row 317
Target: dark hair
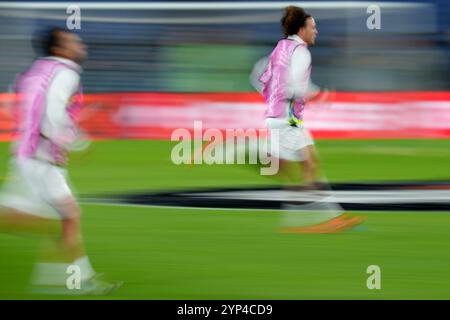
column 293, row 19
column 43, row 41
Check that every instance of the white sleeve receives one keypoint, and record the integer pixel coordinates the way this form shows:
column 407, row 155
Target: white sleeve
column 257, row 72
column 57, row 124
column 300, row 85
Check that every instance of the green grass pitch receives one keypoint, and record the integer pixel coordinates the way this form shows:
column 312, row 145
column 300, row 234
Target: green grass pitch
column 167, row 253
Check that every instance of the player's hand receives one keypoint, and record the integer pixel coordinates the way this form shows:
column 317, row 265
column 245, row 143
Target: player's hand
column 325, row 98
column 81, row 143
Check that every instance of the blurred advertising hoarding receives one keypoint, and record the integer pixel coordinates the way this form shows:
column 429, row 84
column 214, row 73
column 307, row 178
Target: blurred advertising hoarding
column 351, row 115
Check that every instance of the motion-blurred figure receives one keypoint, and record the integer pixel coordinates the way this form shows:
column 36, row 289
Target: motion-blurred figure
column 284, row 81
column 37, row 190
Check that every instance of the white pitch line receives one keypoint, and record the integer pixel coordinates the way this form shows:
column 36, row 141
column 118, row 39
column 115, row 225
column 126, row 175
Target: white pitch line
column 368, row 196
column 239, row 19
column 207, row 5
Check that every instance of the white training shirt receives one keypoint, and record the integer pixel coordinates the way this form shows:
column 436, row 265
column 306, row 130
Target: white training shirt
column 56, row 122
column 298, row 84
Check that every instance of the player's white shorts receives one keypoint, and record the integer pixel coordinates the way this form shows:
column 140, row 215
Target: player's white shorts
column 287, row 141
column 33, row 186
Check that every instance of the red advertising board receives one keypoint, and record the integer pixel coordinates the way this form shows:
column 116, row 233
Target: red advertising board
column 351, row 115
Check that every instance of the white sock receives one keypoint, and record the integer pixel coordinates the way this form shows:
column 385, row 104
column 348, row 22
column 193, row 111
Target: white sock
column 50, row 274
column 323, row 206
column 55, row 273
column 87, row 271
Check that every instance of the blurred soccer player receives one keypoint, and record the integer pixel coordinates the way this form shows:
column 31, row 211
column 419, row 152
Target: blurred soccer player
column 284, row 81
column 38, row 190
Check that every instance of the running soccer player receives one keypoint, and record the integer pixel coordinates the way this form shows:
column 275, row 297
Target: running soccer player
column 38, row 190
column 284, row 81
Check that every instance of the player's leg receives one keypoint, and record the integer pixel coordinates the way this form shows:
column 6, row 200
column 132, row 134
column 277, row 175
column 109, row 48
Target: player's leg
column 310, row 161
column 20, row 210
column 16, row 221
column 302, row 174
column 71, row 238
column 333, row 217
column 288, row 172
column 73, row 250
column 49, row 184
column 310, row 166
column 288, row 144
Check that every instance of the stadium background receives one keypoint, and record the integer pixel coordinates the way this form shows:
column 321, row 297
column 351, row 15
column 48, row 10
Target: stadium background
column 177, row 51
column 196, row 63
